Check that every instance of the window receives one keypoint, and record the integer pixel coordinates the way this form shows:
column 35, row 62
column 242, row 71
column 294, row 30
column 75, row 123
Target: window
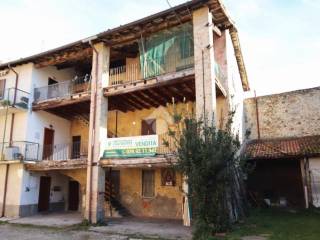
column 148, row 183
column 148, row 127
column 2, row 88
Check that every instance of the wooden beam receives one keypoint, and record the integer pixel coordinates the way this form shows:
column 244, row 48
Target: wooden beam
column 54, row 103
column 217, row 31
column 156, row 95
column 142, row 95
column 63, row 57
column 163, row 80
column 138, row 101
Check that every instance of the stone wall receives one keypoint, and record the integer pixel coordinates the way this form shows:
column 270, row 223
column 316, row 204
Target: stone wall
column 289, row 114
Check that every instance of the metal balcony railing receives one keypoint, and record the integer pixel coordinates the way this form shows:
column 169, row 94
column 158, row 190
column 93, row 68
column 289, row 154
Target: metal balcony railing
column 150, row 68
column 67, row 151
column 63, row 89
column 19, row 150
column 14, row 97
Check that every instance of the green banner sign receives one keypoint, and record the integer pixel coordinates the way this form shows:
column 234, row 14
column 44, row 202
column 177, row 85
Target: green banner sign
column 131, row 147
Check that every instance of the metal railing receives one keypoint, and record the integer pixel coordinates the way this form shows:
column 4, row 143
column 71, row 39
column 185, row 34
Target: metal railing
column 67, row 151
column 150, row 68
column 19, row 150
column 63, row 89
column 14, row 97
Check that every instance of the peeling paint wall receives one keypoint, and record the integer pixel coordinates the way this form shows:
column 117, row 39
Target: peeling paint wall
column 79, row 128
column 167, row 202
column 290, row 114
column 79, row 175
column 129, row 123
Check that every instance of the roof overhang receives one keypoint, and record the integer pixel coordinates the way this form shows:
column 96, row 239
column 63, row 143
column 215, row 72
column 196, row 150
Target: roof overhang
column 125, row 33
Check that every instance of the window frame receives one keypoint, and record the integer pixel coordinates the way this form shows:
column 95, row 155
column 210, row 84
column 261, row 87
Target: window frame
column 2, row 93
column 143, row 193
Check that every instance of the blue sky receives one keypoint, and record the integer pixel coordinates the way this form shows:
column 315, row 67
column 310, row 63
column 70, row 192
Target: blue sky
column 280, row 38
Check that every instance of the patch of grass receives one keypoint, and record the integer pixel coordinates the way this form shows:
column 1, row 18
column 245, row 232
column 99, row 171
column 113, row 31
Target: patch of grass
column 279, row 224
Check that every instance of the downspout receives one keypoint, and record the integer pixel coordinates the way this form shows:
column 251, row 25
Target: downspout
column 257, row 114
column 15, row 85
column 90, row 163
column 10, row 143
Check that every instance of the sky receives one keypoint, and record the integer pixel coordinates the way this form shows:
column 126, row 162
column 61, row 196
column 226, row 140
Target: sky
column 280, row 39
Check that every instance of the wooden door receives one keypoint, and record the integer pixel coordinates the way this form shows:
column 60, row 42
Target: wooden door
column 73, row 196
column 44, row 194
column 76, row 146
column 48, row 141
column 148, row 127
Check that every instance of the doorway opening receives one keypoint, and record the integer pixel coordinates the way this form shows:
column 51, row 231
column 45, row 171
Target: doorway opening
column 44, row 194
column 73, row 196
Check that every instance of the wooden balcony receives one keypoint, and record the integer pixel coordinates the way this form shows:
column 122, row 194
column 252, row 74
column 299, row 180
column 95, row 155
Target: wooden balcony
column 61, row 157
column 62, row 93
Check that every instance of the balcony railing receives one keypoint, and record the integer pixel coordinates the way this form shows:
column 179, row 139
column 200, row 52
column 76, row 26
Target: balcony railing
column 167, row 144
column 67, row 151
column 19, row 150
column 63, row 89
column 14, row 97
column 150, row 68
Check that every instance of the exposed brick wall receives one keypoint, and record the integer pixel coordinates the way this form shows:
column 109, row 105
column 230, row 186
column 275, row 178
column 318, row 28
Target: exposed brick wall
column 290, row 114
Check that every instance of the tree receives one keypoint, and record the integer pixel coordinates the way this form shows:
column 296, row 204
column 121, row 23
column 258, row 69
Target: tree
column 209, row 158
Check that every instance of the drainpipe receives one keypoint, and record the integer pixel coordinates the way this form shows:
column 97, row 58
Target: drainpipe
column 257, row 114
column 90, row 163
column 5, row 187
column 15, row 85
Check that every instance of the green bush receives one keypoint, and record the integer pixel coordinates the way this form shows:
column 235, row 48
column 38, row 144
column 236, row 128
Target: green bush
column 209, row 158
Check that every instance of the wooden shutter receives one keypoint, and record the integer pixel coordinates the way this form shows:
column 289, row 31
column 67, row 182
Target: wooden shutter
column 148, row 183
column 148, row 127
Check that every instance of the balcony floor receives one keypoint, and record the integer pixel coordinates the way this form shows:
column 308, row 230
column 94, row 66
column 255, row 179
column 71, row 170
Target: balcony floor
column 46, row 165
column 156, row 161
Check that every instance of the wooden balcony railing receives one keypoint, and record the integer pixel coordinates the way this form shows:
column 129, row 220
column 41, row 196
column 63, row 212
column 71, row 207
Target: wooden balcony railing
column 150, row 68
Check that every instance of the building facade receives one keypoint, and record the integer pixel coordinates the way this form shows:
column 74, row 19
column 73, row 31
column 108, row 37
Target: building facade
column 284, row 142
column 87, row 124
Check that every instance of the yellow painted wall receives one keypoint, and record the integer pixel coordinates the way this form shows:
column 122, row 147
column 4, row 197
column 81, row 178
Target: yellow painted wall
column 167, row 202
column 78, row 128
column 129, row 123
column 13, row 188
column 79, row 175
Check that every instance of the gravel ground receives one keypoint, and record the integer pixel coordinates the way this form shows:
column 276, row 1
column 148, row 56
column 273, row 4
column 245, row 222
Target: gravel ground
column 15, row 232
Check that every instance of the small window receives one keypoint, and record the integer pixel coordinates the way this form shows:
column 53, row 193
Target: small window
column 2, row 88
column 148, row 127
column 148, row 183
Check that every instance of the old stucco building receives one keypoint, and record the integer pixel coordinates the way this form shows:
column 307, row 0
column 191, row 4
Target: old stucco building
column 84, row 128
column 284, row 141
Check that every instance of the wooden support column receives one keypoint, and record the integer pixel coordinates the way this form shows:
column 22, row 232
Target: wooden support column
column 98, row 134
column 204, row 65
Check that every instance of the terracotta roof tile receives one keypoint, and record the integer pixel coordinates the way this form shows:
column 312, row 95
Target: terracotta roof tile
column 283, row 147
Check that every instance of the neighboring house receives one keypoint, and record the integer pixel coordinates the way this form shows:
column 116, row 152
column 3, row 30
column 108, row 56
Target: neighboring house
column 284, row 144
column 90, row 136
